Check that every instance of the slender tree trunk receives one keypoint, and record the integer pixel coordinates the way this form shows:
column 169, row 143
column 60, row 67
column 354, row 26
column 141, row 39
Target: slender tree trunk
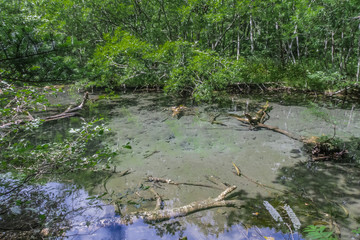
column 358, row 65
column 251, row 34
column 341, row 66
column 297, row 42
column 280, row 42
column 332, row 47
column 214, row 45
column 291, row 52
column 347, row 57
column 238, row 46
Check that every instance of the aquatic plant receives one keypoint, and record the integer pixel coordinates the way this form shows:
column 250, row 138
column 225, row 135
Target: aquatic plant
column 318, row 233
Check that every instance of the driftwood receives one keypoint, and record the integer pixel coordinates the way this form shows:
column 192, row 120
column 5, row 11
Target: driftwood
column 166, row 214
column 162, row 215
column 70, row 112
column 219, row 201
column 269, row 127
column 169, row 181
column 321, row 150
column 258, row 121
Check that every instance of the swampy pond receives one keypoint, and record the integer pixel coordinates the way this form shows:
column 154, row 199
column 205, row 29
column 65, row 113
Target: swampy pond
column 281, row 191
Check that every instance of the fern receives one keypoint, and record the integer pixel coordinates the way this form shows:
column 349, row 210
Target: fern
column 318, row 233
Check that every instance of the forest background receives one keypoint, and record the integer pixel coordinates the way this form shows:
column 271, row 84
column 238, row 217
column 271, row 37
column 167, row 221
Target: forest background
column 192, row 47
column 196, row 48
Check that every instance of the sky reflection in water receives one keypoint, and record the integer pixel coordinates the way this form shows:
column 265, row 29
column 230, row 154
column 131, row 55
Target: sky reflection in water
column 73, row 199
column 84, row 212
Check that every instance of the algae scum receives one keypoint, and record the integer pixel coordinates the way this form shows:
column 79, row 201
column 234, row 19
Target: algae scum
column 281, row 191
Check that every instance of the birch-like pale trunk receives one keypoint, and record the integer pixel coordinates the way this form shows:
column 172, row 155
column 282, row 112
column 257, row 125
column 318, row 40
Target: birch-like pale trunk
column 332, row 47
column 251, row 34
column 297, row 42
column 358, row 65
column 238, row 47
column 341, row 66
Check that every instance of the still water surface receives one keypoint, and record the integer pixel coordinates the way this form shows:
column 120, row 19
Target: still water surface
column 189, row 149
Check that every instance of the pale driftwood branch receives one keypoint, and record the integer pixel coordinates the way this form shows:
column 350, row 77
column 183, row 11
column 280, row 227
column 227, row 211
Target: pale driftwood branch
column 222, row 196
column 163, row 215
column 166, row 214
column 219, row 201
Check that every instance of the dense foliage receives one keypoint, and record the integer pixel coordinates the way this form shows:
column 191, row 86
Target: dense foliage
column 195, row 46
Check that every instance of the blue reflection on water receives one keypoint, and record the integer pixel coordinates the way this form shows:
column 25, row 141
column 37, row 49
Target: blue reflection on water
column 84, row 213
column 140, row 230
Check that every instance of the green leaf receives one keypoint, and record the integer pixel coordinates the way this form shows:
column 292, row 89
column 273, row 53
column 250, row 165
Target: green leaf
column 127, row 146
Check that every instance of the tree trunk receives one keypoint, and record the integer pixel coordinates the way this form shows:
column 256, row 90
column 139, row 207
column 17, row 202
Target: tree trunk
column 251, row 35
column 358, row 65
column 332, row 47
column 297, row 43
column 238, row 46
column 219, row 201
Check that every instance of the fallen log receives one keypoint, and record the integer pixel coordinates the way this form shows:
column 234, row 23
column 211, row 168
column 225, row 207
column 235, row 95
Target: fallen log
column 161, row 215
column 166, row 214
column 219, row 201
column 70, row 112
